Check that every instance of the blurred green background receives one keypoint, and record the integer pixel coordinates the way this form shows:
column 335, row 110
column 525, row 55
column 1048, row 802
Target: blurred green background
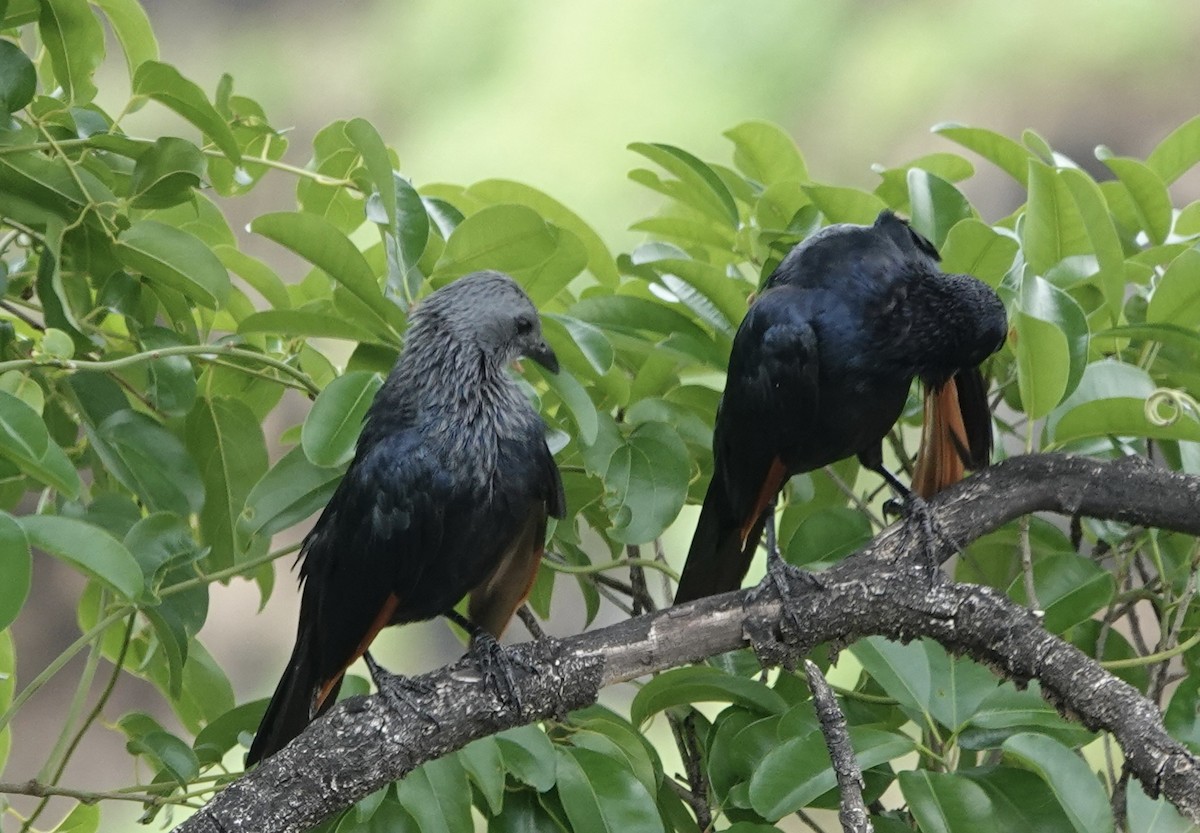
column 550, row 93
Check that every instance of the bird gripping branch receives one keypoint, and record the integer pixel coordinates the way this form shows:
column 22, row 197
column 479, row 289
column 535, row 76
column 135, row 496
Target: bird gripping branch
column 820, row 370
column 448, row 495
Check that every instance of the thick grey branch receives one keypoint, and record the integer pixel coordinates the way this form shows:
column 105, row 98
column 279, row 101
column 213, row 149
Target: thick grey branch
column 367, row 742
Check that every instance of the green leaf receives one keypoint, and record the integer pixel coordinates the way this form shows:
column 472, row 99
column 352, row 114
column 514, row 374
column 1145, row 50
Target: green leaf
column 132, row 28
column 331, row 429
column 1007, row 711
column 16, row 565
column 764, row 152
column 484, row 765
column 576, row 400
column 826, row 535
column 25, row 442
column 261, row 277
column 1070, row 588
column 647, row 483
column 74, row 39
column 1074, row 784
column 175, row 758
column 286, row 495
column 568, row 334
column 18, row 78
column 407, row 236
column 702, row 684
column 226, row 441
column 378, row 162
column 221, row 735
column 1111, row 401
column 87, row 548
column 1105, row 241
column 845, row 205
column 1147, row 815
column 600, row 795
column 599, row 259
column 510, row 238
column 974, row 248
column 1051, row 345
column 1176, row 297
column 166, row 172
column 320, row 242
column 309, row 322
column 438, row 797
column 159, row 542
column 176, row 259
column 799, row 771
column 936, row 206
column 83, row 818
column 1148, row 192
column 1177, row 153
column 1052, row 229
column 164, row 84
column 944, row 802
column 1008, row 155
column 528, row 756
column 702, row 187
column 903, row 671
column 150, row 461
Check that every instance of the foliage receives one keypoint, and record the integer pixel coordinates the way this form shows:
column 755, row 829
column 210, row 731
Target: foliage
column 141, row 350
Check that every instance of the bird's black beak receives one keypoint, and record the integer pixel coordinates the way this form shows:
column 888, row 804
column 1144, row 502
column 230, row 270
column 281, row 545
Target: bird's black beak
column 543, row 355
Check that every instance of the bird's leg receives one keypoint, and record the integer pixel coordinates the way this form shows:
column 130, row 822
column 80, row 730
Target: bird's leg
column 917, row 517
column 778, row 580
column 401, row 689
column 495, row 663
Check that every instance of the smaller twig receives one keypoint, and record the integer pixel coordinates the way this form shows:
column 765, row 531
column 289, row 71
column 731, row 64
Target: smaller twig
column 643, row 602
column 858, row 502
column 40, row 790
column 1031, row 599
column 684, row 730
column 852, row 811
column 660, row 555
column 530, row 622
column 19, row 313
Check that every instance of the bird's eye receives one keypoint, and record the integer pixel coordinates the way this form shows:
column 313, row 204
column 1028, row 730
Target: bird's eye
column 524, row 325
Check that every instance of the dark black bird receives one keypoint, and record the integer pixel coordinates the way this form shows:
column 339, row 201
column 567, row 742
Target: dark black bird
column 448, row 495
column 820, row 370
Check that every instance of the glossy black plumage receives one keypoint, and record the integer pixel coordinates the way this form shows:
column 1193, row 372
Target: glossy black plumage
column 821, row 368
column 448, row 495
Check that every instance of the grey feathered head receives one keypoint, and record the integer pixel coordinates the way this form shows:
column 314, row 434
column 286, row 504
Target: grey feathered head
column 488, row 310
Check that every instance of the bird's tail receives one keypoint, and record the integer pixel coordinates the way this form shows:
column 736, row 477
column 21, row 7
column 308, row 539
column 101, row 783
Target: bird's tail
column 956, row 433
column 721, row 547
column 290, row 710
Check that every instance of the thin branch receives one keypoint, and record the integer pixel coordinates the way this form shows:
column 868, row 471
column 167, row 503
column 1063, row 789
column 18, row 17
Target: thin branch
column 852, row 811
column 365, row 743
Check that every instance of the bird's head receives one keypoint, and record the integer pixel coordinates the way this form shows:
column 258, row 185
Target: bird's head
column 492, row 311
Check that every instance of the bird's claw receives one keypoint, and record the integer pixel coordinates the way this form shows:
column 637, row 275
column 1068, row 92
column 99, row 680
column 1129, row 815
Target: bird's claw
column 919, row 525
column 780, row 581
column 401, row 689
column 496, row 664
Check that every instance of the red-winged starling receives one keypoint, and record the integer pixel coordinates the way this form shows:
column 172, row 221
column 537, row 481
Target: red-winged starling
column 448, row 496
column 821, row 369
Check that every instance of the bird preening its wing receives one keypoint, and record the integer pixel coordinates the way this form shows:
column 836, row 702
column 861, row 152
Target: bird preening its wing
column 447, row 496
column 820, row 370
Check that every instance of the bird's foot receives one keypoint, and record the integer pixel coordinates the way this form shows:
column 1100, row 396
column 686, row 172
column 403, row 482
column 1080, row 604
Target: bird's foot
column 407, row 691
column 498, row 666
column 773, row 642
column 925, row 534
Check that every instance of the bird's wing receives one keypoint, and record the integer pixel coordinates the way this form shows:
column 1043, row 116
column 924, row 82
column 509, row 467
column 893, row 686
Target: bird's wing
column 771, row 392
column 496, row 598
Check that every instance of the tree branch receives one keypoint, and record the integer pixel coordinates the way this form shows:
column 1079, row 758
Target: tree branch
column 852, row 811
column 366, row 742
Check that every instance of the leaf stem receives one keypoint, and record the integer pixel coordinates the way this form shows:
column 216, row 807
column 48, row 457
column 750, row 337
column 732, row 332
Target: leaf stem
column 616, row 564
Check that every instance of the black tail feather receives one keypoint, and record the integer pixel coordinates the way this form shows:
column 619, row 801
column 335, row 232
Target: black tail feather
column 289, row 711
column 717, row 561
